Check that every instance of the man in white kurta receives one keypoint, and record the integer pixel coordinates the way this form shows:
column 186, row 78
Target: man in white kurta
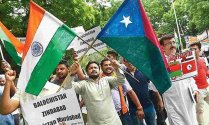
column 178, row 100
column 178, row 103
column 97, row 96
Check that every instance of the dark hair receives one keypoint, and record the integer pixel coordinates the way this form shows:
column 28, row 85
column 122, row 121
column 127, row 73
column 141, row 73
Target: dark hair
column 113, row 53
column 165, row 37
column 91, row 62
column 64, row 62
column 104, row 60
column 125, row 60
column 198, row 44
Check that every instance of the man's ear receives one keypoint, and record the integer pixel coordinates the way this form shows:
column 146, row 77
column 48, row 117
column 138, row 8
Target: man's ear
column 68, row 69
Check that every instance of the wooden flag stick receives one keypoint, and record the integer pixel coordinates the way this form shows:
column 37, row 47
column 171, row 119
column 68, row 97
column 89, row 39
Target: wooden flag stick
column 108, row 58
column 67, row 79
column 2, row 55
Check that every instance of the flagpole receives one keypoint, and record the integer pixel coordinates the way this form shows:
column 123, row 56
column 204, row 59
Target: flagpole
column 67, row 79
column 107, row 58
column 177, row 25
column 2, row 56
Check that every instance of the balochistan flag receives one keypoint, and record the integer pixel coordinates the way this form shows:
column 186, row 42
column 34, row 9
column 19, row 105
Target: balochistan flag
column 130, row 33
column 11, row 44
column 46, row 41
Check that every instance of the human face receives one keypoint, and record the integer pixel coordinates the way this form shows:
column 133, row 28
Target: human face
column 5, row 66
column 107, row 68
column 111, row 56
column 196, row 49
column 93, row 71
column 61, row 71
column 2, row 81
column 169, row 47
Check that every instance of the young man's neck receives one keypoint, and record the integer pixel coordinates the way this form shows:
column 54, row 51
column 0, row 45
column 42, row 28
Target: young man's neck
column 132, row 70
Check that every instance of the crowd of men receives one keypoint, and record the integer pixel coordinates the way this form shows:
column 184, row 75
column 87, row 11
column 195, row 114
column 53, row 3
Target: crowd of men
column 117, row 93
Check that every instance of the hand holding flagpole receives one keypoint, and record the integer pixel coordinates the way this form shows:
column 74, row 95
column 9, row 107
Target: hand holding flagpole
column 67, row 79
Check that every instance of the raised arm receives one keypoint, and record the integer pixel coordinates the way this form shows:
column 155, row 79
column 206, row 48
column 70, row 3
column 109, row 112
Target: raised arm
column 78, row 86
column 8, row 105
column 119, row 79
column 134, row 98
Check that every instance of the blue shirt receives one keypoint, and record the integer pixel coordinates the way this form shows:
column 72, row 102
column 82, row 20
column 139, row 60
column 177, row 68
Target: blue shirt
column 140, row 88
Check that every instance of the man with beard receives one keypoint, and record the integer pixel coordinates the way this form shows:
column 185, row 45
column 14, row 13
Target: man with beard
column 61, row 72
column 96, row 93
column 118, row 97
column 177, row 99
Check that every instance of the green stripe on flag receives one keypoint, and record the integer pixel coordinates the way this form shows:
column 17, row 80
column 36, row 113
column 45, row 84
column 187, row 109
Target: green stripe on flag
column 3, row 36
column 9, row 47
column 12, row 52
column 176, row 73
column 143, row 54
column 50, row 59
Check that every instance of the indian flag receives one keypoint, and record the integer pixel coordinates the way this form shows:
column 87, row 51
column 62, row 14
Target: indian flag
column 11, row 44
column 46, row 41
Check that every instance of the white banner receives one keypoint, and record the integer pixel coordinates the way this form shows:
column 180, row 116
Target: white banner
column 89, row 36
column 202, row 36
column 78, row 30
column 54, row 109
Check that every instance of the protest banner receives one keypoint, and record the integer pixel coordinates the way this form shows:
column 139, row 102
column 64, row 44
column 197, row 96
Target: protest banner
column 54, row 109
column 182, row 65
column 78, row 30
column 89, row 36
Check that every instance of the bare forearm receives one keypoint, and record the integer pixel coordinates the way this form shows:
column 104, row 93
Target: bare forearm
column 134, row 98
column 5, row 98
column 80, row 74
column 139, row 109
column 12, row 90
column 158, row 96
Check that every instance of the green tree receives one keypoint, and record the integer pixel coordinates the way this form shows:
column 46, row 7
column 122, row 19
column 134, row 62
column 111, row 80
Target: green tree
column 14, row 13
column 192, row 15
column 198, row 14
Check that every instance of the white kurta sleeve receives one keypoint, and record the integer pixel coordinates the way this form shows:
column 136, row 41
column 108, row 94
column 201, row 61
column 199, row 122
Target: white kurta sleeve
column 115, row 81
column 78, row 86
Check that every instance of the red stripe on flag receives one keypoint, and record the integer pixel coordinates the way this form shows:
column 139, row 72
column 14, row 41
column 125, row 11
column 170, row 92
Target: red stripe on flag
column 188, row 67
column 149, row 32
column 174, row 68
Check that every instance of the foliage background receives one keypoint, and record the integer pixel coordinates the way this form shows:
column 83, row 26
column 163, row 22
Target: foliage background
column 193, row 15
